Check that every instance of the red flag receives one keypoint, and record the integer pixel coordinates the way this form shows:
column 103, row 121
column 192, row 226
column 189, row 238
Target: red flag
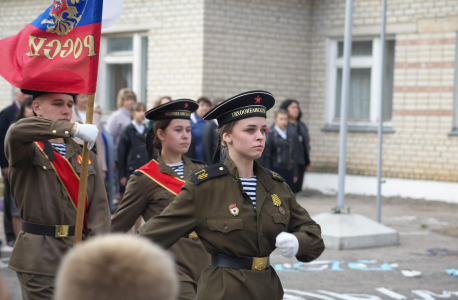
column 58, row 52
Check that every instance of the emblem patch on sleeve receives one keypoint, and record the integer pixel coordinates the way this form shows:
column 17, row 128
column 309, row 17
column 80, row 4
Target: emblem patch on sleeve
column 274, row 175
column 209, row 172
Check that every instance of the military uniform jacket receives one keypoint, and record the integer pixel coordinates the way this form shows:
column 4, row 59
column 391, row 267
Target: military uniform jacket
column 144, row 197
column 42, row 199
column 203, row 206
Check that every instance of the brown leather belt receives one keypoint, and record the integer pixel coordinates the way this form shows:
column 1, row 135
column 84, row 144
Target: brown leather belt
column 247, row 263
column 57, row 231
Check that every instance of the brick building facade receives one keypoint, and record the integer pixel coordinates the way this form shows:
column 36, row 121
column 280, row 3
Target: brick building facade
column 219, row 48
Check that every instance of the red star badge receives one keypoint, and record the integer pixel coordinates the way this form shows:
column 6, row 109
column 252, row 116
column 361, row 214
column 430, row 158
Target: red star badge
column 258, row 99
column 186, row 105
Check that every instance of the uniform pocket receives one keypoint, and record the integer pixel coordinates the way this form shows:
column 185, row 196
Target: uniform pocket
column 42, row 163
column 279, row 218
column 225, row 226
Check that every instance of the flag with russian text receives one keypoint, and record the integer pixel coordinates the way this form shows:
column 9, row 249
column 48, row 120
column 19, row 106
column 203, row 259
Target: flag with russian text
column 59, row 51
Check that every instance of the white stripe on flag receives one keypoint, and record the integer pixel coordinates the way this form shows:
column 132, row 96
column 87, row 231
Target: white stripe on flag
column 112, row 10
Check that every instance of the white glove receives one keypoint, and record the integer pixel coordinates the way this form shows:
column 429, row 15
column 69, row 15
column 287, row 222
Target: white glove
column 287, row 243
column 88, row 133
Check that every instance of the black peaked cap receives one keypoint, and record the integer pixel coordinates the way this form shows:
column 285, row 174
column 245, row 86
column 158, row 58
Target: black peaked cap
column 36, row 94
column 245, row 105
column 176, row 109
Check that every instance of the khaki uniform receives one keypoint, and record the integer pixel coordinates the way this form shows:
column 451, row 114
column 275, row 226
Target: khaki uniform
column 42, row 199
column 203, row 206
column 144, row 197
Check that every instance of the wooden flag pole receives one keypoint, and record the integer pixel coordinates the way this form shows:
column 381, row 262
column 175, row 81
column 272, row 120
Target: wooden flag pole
column 83, row 177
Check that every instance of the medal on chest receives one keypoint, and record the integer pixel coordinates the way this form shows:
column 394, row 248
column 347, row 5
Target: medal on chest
column 277, row 202
column 234, row 210
column 79, row 158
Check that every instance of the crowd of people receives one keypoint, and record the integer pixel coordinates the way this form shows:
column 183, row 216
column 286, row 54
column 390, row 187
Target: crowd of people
column 166, row 171
column 121, row 147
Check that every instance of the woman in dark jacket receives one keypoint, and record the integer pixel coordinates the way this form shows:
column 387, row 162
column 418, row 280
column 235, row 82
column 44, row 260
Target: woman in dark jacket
column 280, row 154
column 303, row 142
column 210, row 137
column 132, row 149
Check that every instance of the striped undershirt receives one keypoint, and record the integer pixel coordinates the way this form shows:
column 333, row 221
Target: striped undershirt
column 178, row 168
column 249, row 186
column 61, row 148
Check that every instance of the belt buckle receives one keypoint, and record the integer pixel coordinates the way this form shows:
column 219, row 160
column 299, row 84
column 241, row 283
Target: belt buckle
column 193, row 235
column 62, row 231
column 259, row 263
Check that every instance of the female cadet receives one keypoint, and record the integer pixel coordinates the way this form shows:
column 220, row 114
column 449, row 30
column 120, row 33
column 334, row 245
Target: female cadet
column 152, row 187
column 240, row 211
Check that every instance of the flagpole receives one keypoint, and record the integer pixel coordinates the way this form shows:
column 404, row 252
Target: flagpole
column 82, row 193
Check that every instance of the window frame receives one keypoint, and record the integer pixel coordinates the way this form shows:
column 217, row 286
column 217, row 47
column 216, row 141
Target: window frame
column 334, row 63
column 133, row 57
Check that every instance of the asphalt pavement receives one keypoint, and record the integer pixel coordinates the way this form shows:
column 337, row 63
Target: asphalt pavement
column 423, row 266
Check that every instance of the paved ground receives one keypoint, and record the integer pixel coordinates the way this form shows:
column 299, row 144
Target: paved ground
column 371, row 273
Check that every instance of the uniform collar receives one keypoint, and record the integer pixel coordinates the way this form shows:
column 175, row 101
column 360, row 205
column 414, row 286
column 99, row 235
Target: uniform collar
column 263, row 177
column 231, row 167
column 187, row 164
column 260, row 173
column 168, row 170
column 72, row 148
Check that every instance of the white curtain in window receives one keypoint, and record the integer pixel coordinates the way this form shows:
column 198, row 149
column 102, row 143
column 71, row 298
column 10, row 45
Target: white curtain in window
column 360, row 94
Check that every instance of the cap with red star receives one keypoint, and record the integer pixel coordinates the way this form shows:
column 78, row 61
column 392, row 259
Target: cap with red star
column 177, row 109
column 242, row 106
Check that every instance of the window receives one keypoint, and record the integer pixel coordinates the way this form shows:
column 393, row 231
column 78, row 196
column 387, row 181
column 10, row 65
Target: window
column 365, row 91
column 123, row 64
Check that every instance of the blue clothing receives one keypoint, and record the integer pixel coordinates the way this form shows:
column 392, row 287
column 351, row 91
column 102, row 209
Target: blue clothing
column 197, row 130
column 109, row 156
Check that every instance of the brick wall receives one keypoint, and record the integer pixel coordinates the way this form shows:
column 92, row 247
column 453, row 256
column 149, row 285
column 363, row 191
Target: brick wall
column 14, row 17
column 219, row 48
column 257, row 45
column 423, row 100
column 175, row 35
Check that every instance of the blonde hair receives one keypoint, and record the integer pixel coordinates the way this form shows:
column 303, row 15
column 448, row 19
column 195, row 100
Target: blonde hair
column 123, row 94
column 117, row 267
column 226, row 128
column 281, row 112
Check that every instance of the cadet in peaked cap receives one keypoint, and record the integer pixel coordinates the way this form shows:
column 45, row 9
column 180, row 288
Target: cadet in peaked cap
column 240, row 210
column 45, row 164
column 153, row 186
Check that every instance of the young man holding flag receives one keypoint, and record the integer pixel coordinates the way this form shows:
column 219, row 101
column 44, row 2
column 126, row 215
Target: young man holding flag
column 45, row 165
column 53, row 58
